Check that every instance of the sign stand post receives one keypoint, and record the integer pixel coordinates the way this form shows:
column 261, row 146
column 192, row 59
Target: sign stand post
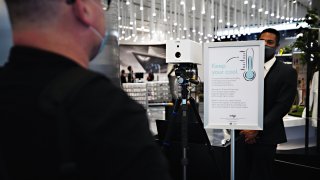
column 232, row 155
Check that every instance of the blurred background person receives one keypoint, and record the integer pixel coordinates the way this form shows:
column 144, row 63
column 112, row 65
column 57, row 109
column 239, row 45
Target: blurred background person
column 130, row 75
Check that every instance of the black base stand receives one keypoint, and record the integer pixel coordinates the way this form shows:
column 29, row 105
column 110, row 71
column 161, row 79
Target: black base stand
column 186, row 75
column 181, row 104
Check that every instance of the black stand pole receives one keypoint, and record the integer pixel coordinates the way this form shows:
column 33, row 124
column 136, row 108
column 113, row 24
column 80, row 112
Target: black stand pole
column 318, row 116
column 184, row 129
column 306, row 141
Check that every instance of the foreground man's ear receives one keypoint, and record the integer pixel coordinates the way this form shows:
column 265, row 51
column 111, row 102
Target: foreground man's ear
column 82, row 11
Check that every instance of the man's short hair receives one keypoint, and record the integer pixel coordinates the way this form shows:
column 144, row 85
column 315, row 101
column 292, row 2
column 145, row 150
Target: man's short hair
column 273, row 31
column 31, row 11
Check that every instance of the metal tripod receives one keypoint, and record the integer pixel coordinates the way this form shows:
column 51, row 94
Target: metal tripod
column 182, row 103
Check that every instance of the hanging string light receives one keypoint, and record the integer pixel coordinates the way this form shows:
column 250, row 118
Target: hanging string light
column 203, row 7
column 296, row 12
column 193, row 6
column 291, row 12
column 248, row 19
column 283, row 10
column 141, row 5
column 175, row 13
column 272, row 9
column 253, row 6
column 208, row 21
column 235, row 14
column 216, row 22
column 165, row 10
column 201, row 27
column 194, row 24
column 153, row 8
column 212, row 9
column 179, row 23
column 184, row 17
column 142, row 18
column 253, row 14
column 228, row 14
column 260, row 6
column 131, row 9
column 242, row 16
column 220, row 11
column 134, row 30
column 267, row 7
column 151, row 21
column 124, row 17
column 211, row 19
column 278, row 9
column 171, row 21
column 288, row 11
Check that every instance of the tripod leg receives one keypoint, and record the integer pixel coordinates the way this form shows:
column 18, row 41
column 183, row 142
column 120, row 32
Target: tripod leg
column 194, row 108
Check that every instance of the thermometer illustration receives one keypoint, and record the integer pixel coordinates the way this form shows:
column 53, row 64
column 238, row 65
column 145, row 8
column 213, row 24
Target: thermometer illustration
column 249, row 74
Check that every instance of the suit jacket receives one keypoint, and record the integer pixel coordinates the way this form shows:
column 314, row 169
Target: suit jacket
column 280, row 88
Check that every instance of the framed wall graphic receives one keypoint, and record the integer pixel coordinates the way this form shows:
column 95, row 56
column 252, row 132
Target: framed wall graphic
column 144, row 58
column 233, row 85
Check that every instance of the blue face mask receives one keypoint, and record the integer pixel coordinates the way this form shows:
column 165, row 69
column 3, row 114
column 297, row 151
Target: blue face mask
column 103, row 42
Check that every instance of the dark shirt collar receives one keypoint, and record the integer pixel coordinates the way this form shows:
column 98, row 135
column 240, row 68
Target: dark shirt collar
column 24, row 54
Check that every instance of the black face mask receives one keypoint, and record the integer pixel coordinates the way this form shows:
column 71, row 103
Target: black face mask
column 269, row 53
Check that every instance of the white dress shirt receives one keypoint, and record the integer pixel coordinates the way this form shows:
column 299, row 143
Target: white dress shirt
column 268, row 65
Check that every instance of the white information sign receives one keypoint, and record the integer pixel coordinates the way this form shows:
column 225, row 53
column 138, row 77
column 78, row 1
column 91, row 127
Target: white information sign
column 233, row 85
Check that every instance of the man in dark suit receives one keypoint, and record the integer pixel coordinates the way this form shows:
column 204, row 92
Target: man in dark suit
column 280, row 84
column 106, row 132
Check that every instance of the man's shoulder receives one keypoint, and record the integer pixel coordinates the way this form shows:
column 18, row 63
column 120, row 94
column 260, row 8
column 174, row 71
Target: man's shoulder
column 98, row 81
column 285, row 67
column 101, row 86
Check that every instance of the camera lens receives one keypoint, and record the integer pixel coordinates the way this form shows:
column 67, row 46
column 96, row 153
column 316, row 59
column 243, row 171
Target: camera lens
column 178, row 54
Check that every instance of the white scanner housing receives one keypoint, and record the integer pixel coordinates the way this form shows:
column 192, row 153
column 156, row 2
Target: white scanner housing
column 183, row 51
